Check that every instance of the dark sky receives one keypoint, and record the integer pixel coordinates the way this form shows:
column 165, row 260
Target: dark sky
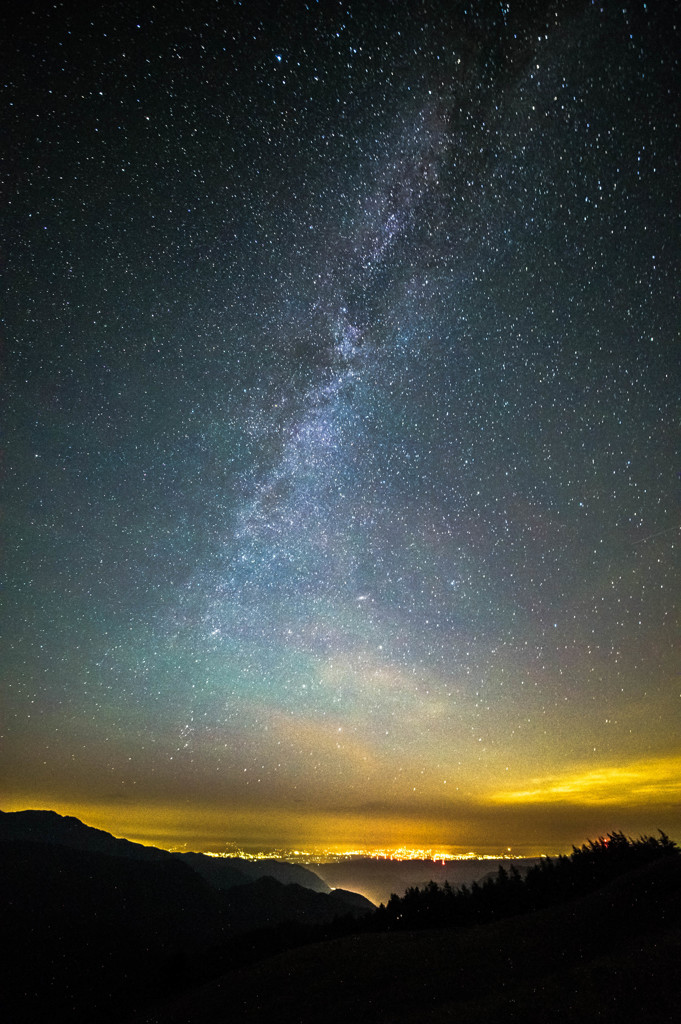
column 340, row 447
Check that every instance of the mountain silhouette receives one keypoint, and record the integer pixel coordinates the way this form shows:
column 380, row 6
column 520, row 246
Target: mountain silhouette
column 220, row 872
column 96, row 928
column 266, row 902
column 225, row 872
column 93, row 924
column 609, row 956
column 50, row 827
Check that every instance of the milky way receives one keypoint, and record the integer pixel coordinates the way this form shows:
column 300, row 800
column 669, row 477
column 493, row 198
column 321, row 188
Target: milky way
column 341, row 480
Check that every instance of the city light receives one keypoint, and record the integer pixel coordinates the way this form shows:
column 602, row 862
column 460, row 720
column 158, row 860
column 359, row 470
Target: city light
column 333, row 855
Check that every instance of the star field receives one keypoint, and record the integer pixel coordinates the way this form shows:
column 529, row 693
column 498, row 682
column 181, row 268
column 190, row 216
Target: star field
column 341, row 435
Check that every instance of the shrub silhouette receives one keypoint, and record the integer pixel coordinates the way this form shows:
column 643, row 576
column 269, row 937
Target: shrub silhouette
column 551, row 881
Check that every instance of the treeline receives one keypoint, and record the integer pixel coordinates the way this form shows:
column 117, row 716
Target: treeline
column 508, row 892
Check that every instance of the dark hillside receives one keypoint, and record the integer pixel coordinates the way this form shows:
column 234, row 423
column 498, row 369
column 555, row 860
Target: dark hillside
column 82, row 929
column 221, row 872
column 92, row 935
column 266, row 902
column 50, row 827
column 225, row 872
column 91, row 932
column 611, row 956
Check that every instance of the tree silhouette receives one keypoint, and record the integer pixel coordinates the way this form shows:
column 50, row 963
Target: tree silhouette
column 551, row 881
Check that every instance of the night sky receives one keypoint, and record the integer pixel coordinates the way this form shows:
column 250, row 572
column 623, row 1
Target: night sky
column 340, row 421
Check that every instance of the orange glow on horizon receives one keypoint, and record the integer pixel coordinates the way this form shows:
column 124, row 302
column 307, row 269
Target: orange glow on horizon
column 538, row 817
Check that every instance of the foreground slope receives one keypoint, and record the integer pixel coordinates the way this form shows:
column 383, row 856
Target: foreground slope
column 91, row 924
column 610, row 956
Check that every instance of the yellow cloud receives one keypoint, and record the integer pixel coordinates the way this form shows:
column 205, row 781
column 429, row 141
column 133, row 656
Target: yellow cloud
column 651, row 781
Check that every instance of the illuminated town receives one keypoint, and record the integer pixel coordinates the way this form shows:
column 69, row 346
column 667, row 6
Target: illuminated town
column 331, row 855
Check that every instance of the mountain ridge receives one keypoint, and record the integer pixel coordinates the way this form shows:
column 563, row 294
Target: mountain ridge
column 118, row 937
column 94, row 924
column 611, row 955
column 47, row 826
